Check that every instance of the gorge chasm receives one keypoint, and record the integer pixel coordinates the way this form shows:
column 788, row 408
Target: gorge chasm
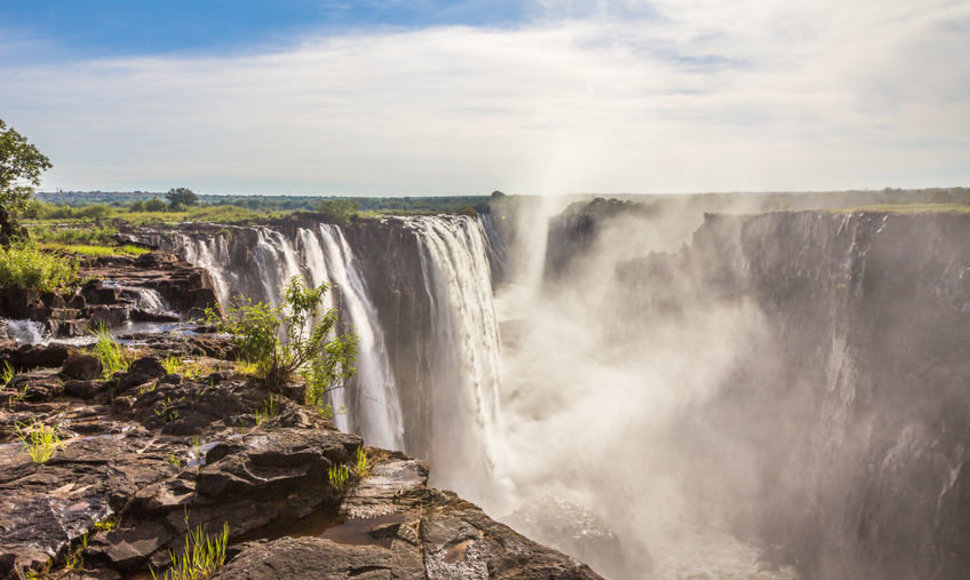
column 659, row 394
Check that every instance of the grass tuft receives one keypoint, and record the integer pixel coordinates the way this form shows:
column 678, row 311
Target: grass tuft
column 339, row 477
column 202, row 557
column 363, row 463
column 270, row 409
column 6, row 374
column 114, row 357
column 40, row 440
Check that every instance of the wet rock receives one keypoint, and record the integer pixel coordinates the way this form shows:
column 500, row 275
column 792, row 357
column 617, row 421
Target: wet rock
column 460, row 541
column 69, row 328
column 82, row 367
column 107, row 314
column 95, row 293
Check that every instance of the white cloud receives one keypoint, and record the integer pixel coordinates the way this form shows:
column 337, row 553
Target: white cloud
column 686, row 95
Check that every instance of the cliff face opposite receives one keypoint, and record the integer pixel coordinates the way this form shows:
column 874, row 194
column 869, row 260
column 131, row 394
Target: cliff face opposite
column 852, row 399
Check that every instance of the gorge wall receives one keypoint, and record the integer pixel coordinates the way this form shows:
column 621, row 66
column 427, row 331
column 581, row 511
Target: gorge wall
column 775, row 395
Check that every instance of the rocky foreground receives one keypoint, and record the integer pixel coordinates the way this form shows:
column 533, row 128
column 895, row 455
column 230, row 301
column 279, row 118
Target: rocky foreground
column 145, row 456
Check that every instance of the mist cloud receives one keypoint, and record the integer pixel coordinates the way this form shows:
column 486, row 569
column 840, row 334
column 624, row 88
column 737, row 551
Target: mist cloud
column 589, row 96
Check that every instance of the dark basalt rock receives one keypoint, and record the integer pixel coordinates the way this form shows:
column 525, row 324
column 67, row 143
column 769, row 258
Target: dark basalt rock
column 82, row 367
column 28, row 357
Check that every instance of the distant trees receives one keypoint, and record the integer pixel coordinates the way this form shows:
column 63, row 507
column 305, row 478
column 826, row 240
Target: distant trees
column 339, row 211
column 181, row 197
column 21, row 165
column 151, row 205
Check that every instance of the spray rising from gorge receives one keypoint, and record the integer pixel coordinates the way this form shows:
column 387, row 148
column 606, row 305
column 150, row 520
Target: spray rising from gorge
column 687, row 390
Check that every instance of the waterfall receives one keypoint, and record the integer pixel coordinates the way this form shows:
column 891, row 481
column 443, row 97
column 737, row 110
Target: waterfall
column 465, row 371
column 258, row 262
column 213, row 255
column 376, row 409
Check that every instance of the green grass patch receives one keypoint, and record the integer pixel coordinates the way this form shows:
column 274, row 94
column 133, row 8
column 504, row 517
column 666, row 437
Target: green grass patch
column 73, row 232
column 27, row 266
column 88, row 250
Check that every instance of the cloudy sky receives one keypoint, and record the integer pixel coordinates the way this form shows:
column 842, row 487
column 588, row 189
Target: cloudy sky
column 412, row 97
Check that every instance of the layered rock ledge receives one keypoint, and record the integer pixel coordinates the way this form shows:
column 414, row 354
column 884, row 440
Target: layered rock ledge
column 145, row 456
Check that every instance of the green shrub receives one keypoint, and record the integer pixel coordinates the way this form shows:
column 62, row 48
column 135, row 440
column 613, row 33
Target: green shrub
column 297, row 337
column 27, row 266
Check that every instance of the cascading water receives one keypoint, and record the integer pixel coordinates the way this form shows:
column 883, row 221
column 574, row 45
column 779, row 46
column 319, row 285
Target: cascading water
column 259, row 268
column 466, row 370
column 377, row 410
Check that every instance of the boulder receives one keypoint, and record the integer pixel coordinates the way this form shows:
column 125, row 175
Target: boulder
column 32, row 356
column 140, row 372
column 82, row 367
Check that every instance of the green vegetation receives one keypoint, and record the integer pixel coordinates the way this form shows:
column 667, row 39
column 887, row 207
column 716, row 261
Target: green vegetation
column 77, row 233
column 363, row 463
column 297, row 337
column 270, row 409
column 149, row 202
column 27, row 266
column 339, row 211
column 21, row 165
column 94, row 251
column 6, row 374
column 202, row 556
column 180, row 197
column 114, row 357
column 176, row 365
column 339, row 477
column 108, row 524
column 40, row 440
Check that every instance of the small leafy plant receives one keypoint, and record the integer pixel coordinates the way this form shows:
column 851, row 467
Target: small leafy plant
column 297, row 337
column 40, row 440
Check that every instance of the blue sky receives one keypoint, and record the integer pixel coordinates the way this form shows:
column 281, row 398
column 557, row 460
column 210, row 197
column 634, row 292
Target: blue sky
column 98, row 28
column 394, row 97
